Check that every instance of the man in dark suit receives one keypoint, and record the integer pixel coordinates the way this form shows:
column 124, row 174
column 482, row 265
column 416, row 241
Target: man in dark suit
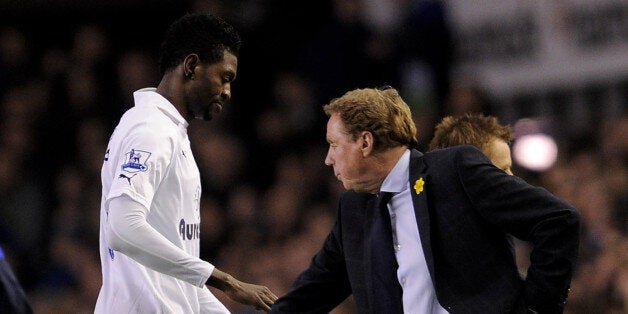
column 428, row 233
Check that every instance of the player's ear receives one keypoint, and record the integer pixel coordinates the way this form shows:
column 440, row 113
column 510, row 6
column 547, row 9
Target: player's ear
column 190, row 63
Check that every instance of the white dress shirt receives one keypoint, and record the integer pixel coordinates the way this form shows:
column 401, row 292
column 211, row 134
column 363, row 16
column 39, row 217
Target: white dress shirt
column 419, row 295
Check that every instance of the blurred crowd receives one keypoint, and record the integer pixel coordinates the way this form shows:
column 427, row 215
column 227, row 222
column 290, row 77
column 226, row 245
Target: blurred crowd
column 268, row 199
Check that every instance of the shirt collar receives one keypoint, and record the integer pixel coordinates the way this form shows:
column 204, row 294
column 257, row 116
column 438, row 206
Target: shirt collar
column 149, row 97
column 397, row 179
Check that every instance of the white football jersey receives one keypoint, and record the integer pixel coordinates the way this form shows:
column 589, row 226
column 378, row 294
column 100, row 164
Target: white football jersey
column 149, row 160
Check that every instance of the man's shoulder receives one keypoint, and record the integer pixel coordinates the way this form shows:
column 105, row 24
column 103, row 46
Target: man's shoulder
column 353, row 195
column 354, row 198
column 353, row 208
column 453, row 150
column 144, row 113
column 147, row 119
column 453, row 153
column 447, row 159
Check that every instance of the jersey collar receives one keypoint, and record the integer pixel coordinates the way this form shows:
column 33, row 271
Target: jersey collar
column 149, row 97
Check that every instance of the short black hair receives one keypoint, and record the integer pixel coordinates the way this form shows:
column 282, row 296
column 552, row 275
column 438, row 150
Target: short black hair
column 201, row 33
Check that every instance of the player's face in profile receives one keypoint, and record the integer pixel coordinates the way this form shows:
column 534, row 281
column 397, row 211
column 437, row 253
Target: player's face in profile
column 211, row 90
column 499, row 153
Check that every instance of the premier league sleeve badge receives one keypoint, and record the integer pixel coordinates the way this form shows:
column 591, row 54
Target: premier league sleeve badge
column 136, row 161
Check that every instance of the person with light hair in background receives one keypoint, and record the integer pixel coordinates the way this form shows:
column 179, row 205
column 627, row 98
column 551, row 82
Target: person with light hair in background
column 481, row 131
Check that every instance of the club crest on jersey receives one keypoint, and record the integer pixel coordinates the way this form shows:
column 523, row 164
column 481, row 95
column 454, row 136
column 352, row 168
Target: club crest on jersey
column 136, row 161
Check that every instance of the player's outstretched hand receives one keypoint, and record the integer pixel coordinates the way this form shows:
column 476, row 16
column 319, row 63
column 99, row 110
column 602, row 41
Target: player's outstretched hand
column 257, row 296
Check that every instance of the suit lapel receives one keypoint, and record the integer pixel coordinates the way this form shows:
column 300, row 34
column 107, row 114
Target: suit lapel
column 419, row 185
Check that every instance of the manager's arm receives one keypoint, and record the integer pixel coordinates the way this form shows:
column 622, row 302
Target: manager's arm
column 323, row 285
column 531, row 214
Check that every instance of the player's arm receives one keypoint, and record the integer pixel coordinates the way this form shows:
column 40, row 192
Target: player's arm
column 131, row 234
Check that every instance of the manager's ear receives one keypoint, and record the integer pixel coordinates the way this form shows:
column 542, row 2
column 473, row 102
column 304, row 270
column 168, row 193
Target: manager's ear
column 366, row 141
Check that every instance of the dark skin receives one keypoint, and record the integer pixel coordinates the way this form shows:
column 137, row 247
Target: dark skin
column 199, row 90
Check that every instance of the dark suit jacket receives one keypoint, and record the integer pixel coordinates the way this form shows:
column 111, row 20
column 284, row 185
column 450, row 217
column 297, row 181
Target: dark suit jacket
column 465, row 212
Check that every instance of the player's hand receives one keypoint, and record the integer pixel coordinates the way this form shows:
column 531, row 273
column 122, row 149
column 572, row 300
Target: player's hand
column 257, row 296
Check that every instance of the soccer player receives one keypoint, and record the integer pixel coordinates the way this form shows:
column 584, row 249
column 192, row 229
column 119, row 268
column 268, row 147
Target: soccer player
column 150, row 219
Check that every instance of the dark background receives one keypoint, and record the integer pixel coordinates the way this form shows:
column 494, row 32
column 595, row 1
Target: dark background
column 268, row 200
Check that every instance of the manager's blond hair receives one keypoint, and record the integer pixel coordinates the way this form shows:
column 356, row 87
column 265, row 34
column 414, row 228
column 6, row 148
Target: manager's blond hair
column 380, row 111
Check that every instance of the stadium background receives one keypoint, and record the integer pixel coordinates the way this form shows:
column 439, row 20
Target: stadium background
column 68, row 68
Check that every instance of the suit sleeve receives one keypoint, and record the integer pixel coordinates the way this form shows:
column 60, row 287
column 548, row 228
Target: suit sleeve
column 531, row 214
column 323, row 285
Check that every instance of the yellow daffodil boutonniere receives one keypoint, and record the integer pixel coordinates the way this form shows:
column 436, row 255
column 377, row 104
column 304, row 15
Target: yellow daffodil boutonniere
column 418, row 186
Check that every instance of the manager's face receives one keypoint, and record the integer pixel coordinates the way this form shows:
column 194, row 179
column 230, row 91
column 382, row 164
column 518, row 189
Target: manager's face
column 345, row 155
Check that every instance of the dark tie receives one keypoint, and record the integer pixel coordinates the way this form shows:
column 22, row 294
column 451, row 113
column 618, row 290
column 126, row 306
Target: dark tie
column 384, row 262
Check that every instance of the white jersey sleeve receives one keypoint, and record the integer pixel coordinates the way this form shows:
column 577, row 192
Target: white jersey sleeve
column 145, row 156
column 133, row 236
column 209, row 303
